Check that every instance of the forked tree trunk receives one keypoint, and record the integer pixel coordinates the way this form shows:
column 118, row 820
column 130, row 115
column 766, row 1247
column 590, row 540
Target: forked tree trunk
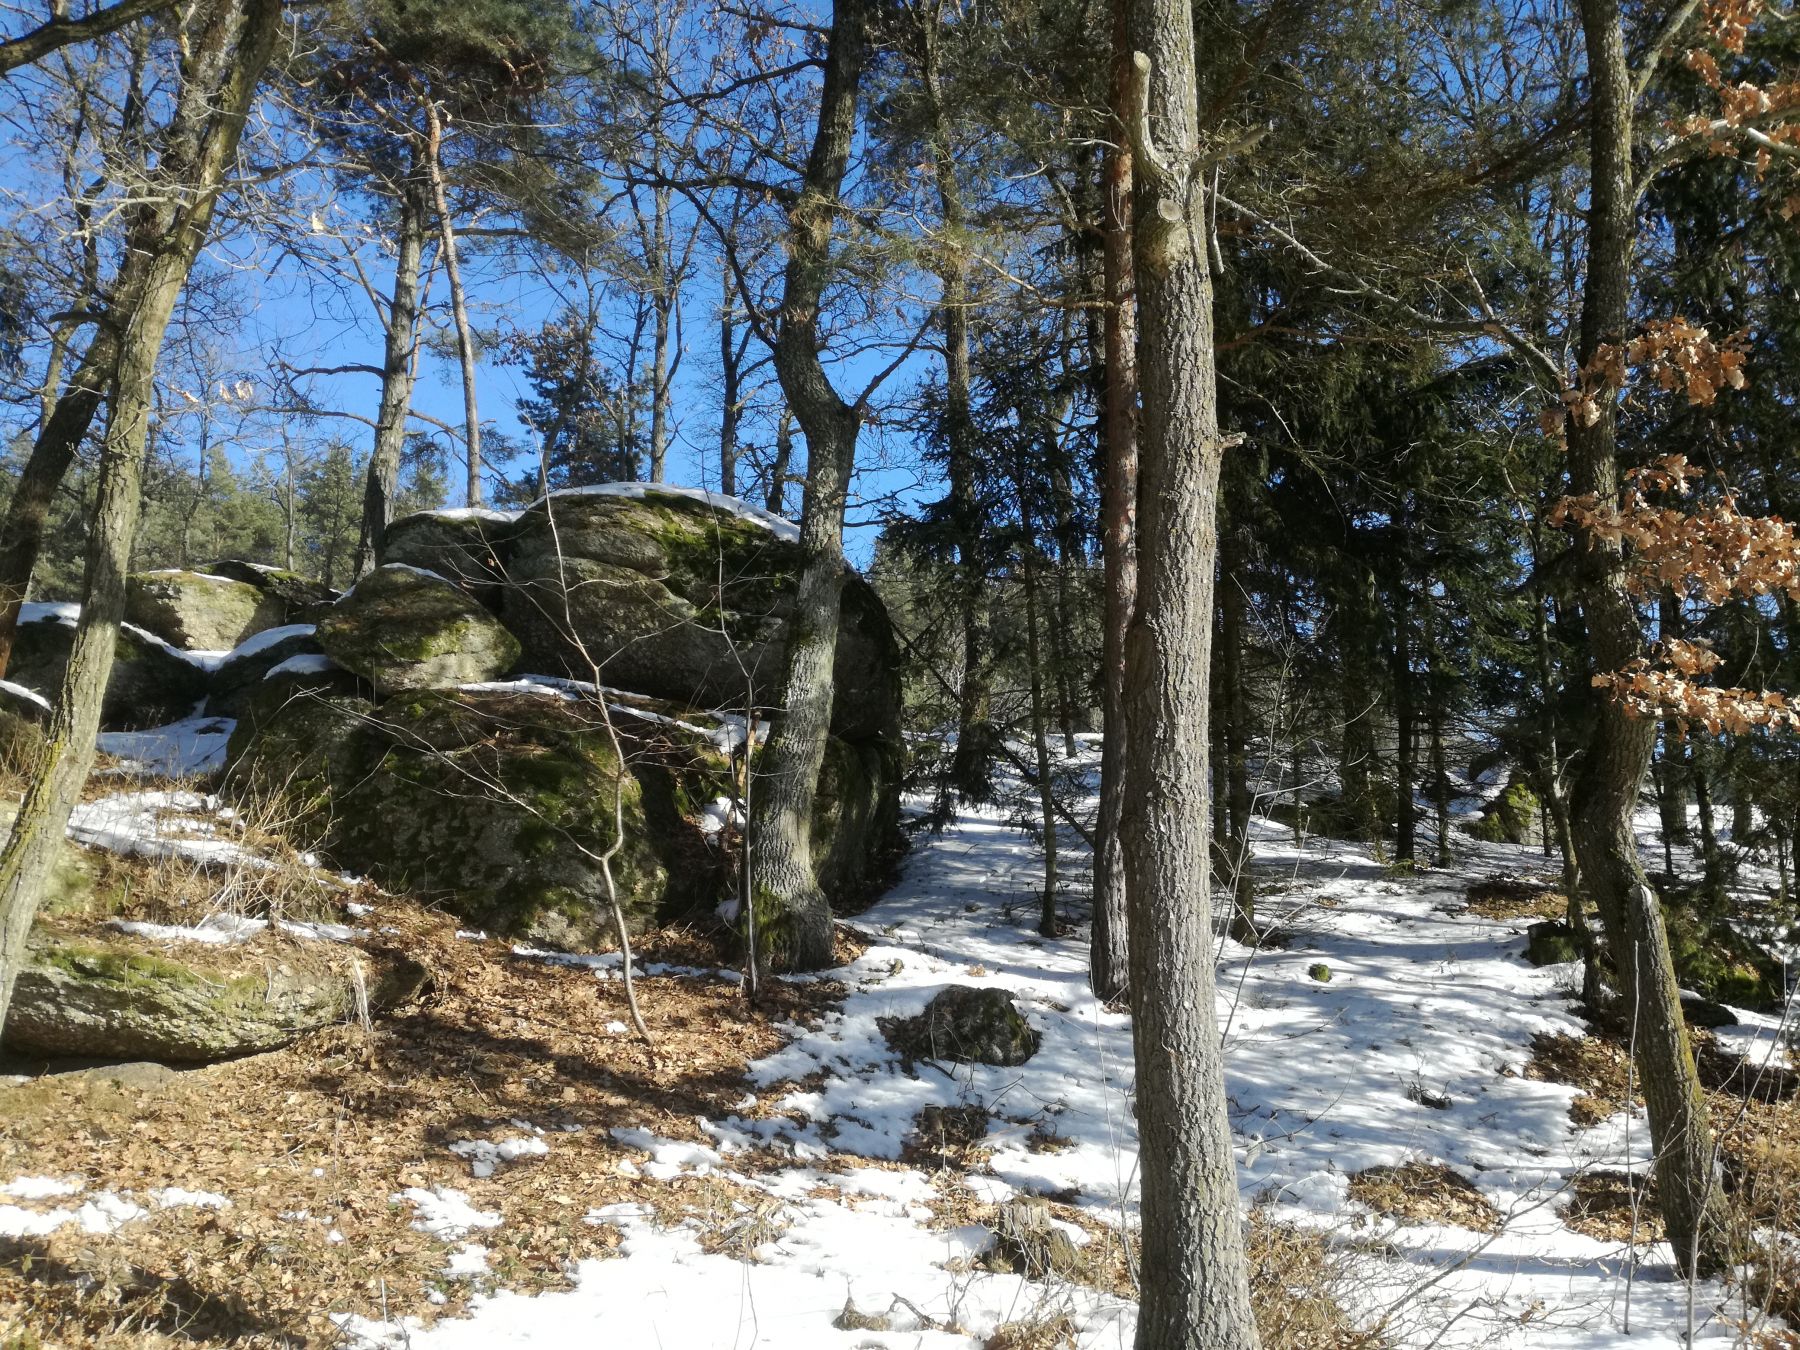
column 1108, row 961
column 1194, row 1282
column 792, row 915
column 229, row 47
column 398, row 370
column 1620, row 746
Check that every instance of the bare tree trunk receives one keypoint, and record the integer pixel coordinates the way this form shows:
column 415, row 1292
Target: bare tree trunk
column 398, row 370
column 1406, row 816
column 1619, row 749
column 1235, row 718
column 793, row 917
column 1194, row 1281
column 228, row 48
column 1108, row 959
column 1040, row 738
column 662, row 304
column 731, row 375
column 775, row 497
column 459, row 308
column 1434, row 719
column 22, row 531
column 971, row 763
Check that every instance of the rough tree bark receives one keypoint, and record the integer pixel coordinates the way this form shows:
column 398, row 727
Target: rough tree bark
column 1108, row 963
column 1620, row 746
column 792, row 915
column 398, row 370
column 229, row 46
column 1195, row 1287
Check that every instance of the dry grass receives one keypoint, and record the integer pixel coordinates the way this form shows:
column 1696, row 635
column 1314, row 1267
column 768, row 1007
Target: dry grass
column 1757, row 1123
column 1300, row 1289
column 323, row 1128
column 1509, row 897
column 1421, row 1192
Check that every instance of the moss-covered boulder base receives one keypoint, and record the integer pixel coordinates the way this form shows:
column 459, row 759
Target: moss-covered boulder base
column 677, row 598
column 401, row 628
column 1510, row 817
column 498, row 804
column 151, row 683
column 117, row 999
column 968, row 1024
column 199, row 611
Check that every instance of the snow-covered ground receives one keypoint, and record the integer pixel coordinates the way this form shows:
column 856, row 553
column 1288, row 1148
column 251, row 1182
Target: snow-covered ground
column 1326, row 1078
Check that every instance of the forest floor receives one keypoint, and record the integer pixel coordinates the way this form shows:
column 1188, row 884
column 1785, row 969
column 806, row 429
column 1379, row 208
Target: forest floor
column 1436, row 1149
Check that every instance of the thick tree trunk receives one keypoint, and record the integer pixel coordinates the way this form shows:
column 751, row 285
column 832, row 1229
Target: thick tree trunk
column 229, row 46
column 1194, row 1281
column 398, row 370
column 1108, row 961
column 1619, row 749
column 792, row 915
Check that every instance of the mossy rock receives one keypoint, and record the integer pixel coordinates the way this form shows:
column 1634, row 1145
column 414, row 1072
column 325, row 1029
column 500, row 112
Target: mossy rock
column 856, row 816
column 1510, row 818
column 1719, row 963
column 967, row 1024
column 198, row 611
column 1551, row 943
column 677, row 598
column 403, row 629
column 468, row 547
column 238, row 680
column 113, row 999
column 1319, row 971
column 302, row 599
column 151, row 685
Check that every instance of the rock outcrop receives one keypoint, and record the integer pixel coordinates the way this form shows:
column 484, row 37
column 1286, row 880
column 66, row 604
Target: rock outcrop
column 199, row 611
column 403, row 628
column 152, row 682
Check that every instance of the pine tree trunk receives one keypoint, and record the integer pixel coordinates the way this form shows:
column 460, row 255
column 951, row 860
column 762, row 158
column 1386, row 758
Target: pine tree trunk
column 1040, row 739
column 1406, row 816
column 1194, row 1281
column 1235, row 716
column 971, row 762
column 1108, row 960
column 459, row 306
column 792, row 915
column 229, row 46
column 1434, row 721
column 400, row 342
column 1620, row 746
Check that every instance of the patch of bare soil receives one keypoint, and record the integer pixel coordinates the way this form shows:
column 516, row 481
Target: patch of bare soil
column 1510, row 897
column 1421, row 1192
column 310, row 1143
